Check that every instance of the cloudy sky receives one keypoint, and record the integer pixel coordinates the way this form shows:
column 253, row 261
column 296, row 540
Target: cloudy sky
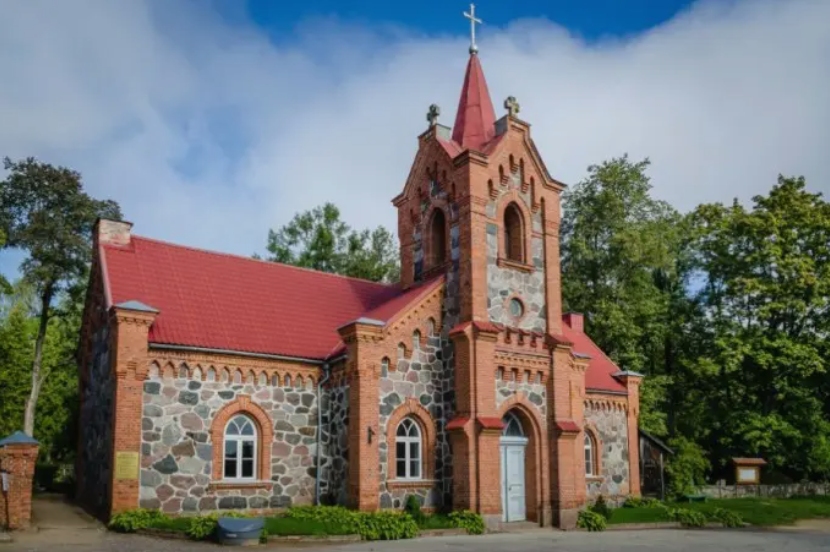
column 210, row 123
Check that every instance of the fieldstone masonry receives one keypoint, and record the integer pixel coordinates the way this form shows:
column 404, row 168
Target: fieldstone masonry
column 534, row 390
column 177, row 452
column 611, row 424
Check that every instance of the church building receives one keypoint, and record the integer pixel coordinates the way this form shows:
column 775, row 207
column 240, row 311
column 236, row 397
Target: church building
column 211, row 381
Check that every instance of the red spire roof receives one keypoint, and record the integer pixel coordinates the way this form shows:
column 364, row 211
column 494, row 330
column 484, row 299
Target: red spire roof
column 475, row 119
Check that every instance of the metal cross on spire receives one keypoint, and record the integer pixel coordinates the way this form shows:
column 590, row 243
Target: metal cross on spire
column 473, row 20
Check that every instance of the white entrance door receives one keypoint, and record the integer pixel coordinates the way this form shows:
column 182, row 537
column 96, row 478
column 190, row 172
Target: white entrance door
column 513, row 481
column 513, row 444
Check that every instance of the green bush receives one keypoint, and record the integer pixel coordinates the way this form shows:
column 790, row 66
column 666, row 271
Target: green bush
column 471, row 521
column 413, row 508
column 592, row 521
column 601, row 507
column 369, row 525
column 688, row 518
column 203, row 527
column 133, row 520
column 640, row 502
column 687, row 468
column 726, row 517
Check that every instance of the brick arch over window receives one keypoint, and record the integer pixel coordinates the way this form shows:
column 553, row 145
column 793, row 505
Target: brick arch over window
column 592, row 433
column 536, row 459
column 265, row 434
column 437, row 237
column 420, row 415
column 515, row 222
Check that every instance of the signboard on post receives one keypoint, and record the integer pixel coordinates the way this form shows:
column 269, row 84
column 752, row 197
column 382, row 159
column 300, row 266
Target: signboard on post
column 748, row 470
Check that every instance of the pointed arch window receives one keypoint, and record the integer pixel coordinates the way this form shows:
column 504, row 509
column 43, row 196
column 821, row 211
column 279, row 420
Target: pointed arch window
column 438, row 238
column 408, row 450
column 513, row 234
column 590, row 456
column 239, row 461
column 512, row 426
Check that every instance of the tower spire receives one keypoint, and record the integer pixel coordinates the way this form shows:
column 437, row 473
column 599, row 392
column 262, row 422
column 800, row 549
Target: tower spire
column 475, row 119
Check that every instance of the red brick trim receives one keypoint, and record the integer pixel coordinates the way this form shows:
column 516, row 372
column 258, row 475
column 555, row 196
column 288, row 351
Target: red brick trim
column 413, row 409
column 229, row 486
column 265, row 435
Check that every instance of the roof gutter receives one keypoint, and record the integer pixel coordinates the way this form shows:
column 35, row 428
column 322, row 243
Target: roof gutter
column 188, row 348
column 606, row 392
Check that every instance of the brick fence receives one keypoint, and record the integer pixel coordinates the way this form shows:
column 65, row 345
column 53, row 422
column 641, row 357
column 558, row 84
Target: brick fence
column 778, row 491
column 18, row 454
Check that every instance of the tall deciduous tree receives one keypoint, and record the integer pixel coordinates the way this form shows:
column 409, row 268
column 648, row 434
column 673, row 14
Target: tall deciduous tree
column 45, row 212
column 767, row 300
column 319, row 239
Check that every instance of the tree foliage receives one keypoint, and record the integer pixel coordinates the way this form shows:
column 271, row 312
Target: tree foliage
column 45, row 212
column 320, row 240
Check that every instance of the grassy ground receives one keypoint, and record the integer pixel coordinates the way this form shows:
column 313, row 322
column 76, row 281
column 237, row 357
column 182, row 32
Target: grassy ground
column 181, row 524
column 436, row 521
column 756, row 511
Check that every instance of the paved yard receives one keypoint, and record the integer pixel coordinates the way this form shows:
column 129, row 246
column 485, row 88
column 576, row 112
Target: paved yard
column 808, row 539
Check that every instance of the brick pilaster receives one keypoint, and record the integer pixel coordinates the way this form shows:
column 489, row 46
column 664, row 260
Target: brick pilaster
column 363, row 369
column 564, row 460
column 129, row 366
column 632, row 381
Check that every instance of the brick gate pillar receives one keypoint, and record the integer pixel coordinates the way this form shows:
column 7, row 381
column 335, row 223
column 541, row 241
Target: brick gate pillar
column 18, row 453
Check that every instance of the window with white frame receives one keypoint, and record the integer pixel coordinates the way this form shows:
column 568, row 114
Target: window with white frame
column 408, row 450
column 590, row 455
column 240, row 449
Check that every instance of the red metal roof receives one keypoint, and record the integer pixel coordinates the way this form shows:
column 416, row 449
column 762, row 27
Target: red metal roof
column 219, row 301
column 475, row 119
column 600, row 367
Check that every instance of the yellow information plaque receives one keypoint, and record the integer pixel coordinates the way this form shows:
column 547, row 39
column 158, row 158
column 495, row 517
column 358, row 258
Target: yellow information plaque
column 126, row 465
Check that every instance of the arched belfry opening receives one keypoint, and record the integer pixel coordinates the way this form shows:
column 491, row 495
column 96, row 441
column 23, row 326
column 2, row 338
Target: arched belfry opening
column 514, row 234
column 438, row 238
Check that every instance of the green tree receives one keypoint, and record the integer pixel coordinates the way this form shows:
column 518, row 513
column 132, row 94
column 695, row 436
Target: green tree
column 45, row 212
column 767, row 301
column 320, row 240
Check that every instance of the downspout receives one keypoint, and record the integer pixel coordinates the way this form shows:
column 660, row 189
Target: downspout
column 326, row 375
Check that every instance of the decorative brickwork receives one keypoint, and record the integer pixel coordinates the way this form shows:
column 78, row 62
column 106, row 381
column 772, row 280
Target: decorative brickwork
column 18, row 461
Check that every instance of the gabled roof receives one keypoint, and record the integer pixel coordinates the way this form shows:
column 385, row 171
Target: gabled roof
column 227, row 302
column 600, row 373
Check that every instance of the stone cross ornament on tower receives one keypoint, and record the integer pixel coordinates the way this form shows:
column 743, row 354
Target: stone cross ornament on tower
column 512, row 106
column 473, row 20
column 433, row 114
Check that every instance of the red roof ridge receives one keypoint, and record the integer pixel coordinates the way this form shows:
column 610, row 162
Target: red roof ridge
column 244, row 258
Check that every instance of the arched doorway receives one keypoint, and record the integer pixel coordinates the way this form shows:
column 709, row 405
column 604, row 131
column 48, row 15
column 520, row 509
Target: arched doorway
column 513, row 482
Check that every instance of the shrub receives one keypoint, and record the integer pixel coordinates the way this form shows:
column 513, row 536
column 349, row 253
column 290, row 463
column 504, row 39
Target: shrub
column 687, row 468
column 471, row 521
column 203, row 527
column 133, row 520
column 727, row 517
column 369, row 525
column 687, row 518
column 413, row 508
column 601, row 507
column 640, row 502
column 591, row 521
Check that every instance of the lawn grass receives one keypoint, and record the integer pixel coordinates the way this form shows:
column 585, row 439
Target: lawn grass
column 284, row 526
column 175, row 524
column 435, row 521
column 762, row 512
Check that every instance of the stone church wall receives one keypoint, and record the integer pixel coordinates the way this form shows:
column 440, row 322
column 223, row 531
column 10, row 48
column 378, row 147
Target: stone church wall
column 177, row 452
column 503, row 282
column 96, row 426
column 530, row 384
column 334, row 472
column 611, row 425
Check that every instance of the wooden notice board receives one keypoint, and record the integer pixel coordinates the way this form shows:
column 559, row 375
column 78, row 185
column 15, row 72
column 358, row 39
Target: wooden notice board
column 126, row 465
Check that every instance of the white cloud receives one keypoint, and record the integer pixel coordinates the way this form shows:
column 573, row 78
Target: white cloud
column 208, row 133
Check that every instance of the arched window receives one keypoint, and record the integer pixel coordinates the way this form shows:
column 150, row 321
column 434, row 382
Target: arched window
column 384, row 367
column 438, row 238
column 512, row 426
column 401, row 351
column 431, row 327
column 416, row 340
column 590, row 455
column 513, row 234
column 240, row 449
column 408, row 450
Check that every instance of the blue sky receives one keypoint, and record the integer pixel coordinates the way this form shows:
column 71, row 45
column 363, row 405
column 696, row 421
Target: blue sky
column 211, row 122
column 590, row 19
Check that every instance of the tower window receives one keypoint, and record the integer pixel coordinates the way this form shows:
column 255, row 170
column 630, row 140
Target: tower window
column 438, row 238
column 513, row 234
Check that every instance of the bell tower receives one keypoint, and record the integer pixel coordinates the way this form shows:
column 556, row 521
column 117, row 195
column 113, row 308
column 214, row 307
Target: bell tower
column 480, row 210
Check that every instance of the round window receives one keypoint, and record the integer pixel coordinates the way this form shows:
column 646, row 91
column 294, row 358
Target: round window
column 517, row 309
